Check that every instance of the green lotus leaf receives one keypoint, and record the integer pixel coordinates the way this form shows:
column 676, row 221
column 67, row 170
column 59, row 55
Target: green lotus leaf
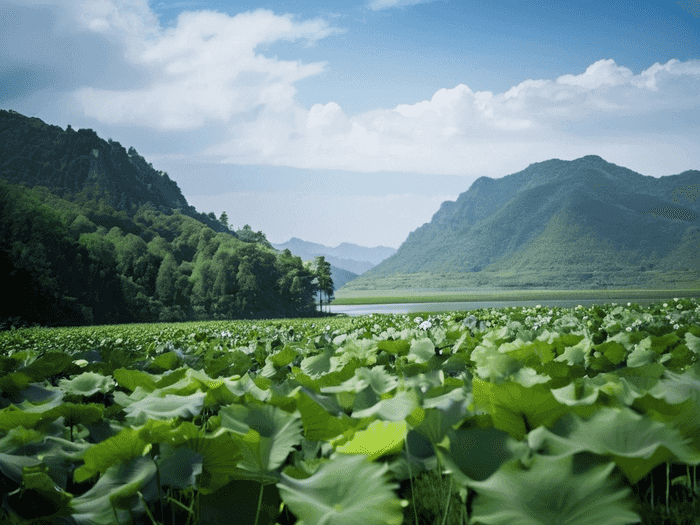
column 395, row 408
column 11, row 466
column 87, row 384
column 166, row 361
column 170, row 432
column 346, row 491
column 164, row 408
column 317, row 419
column 36, row 478
column 636, row 443
column 12, row 417
column 678, row 388
column 318, row 365
column 550, row 493
column 692, row 342
column 278, row 432
column 38, row 398
column 116, row 493
column 130, row 379
column 378, row 439
column 642, row 354
column 421, row 351
column 118, row 449
column 221, row 454
column 514, row 408
column 19, row 437
column 476, row 453
column 180, row 470
column 49, row 364
column 576, row 393
column 14, row 382
column 75, row 414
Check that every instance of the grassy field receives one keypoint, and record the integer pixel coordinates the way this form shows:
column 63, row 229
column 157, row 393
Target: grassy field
column 439, row 296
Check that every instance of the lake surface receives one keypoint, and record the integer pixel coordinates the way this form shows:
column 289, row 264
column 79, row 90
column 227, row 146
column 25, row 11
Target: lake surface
column 407, row 308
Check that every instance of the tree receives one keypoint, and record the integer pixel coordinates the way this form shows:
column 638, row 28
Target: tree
column 323, row 276
column 165, row 280
column 224, row 220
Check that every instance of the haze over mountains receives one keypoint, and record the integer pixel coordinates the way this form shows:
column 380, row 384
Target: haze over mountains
column 347, row 260
column 584, row 223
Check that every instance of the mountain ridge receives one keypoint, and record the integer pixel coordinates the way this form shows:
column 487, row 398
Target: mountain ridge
column 347, row 256
column 495, row 219
column 79, row 165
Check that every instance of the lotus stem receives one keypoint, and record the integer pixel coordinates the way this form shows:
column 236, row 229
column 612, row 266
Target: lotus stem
column 449, row 495
column 410, row 478
column 257, row 514
column 668, row 485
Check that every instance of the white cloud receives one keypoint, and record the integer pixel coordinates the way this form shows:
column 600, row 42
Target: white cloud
column 205, row 68
column 208, row 73
column 607, row 108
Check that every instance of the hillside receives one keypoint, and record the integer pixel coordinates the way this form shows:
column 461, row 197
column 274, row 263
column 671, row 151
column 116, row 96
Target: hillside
column 80, row 166
column 584, row 223
column 92, row 234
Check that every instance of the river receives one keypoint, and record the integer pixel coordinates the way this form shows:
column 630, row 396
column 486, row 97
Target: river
column 407, row 308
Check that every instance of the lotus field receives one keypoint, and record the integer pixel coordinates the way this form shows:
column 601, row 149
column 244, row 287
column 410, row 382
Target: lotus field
column 524, row 416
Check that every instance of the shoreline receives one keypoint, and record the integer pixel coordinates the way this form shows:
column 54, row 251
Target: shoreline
column 411, row 296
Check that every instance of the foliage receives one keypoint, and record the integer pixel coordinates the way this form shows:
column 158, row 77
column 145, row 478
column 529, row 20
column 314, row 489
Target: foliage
column 114, row 241
column 519, row 415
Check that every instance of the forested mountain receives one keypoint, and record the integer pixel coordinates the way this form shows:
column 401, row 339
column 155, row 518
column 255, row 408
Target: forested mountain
column 584, row 223
column 91, row 233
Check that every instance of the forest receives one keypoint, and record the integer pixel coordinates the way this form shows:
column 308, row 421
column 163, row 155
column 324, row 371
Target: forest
column 92, row 234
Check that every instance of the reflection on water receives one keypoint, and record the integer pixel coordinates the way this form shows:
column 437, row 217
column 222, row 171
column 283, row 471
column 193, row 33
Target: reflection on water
column 407, row 308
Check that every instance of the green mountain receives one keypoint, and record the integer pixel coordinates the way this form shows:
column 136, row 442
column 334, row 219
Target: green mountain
column 577, row 224
column 91, row 234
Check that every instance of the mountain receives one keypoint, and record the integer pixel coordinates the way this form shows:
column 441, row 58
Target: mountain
column 80, row 166
column 584, row 223
column 91, row 234
column 346, row 256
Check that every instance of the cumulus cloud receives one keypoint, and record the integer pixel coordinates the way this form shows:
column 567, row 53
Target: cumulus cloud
column 207, row 67
column 607, row 110
column 209, row 71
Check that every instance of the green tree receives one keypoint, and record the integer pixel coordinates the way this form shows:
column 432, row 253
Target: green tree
column 224, row 220
column 247, row 286
column 325, row 282
column 165, row 281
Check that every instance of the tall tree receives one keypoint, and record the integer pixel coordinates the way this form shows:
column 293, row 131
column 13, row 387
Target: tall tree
column 323, row 276
column 224, row 220
column 165, row 280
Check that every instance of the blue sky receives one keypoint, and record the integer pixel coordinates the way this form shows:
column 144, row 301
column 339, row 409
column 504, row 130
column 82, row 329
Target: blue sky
column 353, row 121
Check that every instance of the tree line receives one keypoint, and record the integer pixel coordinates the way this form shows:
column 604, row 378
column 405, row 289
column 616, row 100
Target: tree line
column 85, row 262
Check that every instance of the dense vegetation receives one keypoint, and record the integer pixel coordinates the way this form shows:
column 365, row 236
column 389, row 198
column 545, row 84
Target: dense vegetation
column 518, row 415
column 584, row 223
column 92, row 234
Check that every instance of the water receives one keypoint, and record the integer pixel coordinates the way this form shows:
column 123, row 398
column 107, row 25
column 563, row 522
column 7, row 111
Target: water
column 407, row 308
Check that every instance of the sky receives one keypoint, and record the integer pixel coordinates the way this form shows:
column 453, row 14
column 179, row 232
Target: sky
column 352, row 121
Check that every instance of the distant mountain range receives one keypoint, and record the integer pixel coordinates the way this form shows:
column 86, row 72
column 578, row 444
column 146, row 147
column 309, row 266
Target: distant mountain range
column 347, row 260
column 584, row 223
